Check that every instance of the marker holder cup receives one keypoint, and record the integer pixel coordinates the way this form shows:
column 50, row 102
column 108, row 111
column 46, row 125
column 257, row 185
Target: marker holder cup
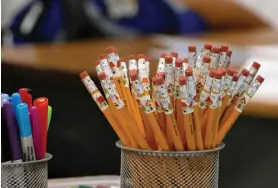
column 31, row 174
column 156, row 169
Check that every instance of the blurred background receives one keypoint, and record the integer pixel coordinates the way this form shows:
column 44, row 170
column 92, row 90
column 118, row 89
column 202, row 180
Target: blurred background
column 47, row 43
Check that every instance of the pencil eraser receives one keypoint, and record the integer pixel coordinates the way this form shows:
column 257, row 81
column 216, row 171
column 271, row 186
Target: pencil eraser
column 229, row 53
column 122, row 59
column 163, row 55
column 102, row 75
column 235, row 77
column 133, row 75
column 159, row 80
column 131, row 57
column 260, row 79
column 154, row 80
column 189, row 72
column 218, row 74
column 161, row 74
column 182, row 80
column 185, row 60
column 103, row 56
column 83, row 74
column 175, row 54
column 215, row 49
column 97, row 62
column 100, row 99
column 148, row 59
column 245, row 72
column 110, row 50
column 222, row 70
column 141, row 56
column 168, row 59
column 207, row 46
column 206, row 59
column 224, row 48
column 256, row 65
column 191, row 48
column 179, row 62
column 212, row 72
column 231, row 72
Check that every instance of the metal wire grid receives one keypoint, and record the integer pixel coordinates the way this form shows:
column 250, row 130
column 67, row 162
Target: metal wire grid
column 152, row 169
column 33, row 174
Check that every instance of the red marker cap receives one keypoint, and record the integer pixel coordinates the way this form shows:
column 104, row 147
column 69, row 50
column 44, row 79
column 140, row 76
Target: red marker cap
column 103, row 56
column 236, row 77
column 161, row 74
column 97, row 62
column 206, row 59
column 260, row 79
column 218, row 74
column 231, row 72
column 256, row 65
column 207, row 46
column 179, row 62
column 141, row 56
column 245, row 72
column 102, row 75
column 133, row 75
column 159, row 80
column 191, row 48
column 163, row 55
column 175, row 54
column 182, row 80
column 212, row 72
column 215, row 49
column 110, row 50
column 122, row 59
column 224, row 48
column 229, row 53
column 189, row 72
column 131, row 57
column 185, row 60
column 168, row 59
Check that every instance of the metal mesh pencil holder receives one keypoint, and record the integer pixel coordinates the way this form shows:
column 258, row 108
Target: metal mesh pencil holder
column 31, row 174
column 155, row 169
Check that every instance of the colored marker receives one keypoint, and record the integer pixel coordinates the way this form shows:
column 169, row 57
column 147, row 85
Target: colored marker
column 37, row 133
column 16, row 99
column 49, row 116
column 4, row 96
column 5, row 147
column 26, row 96
column 13, row 133
column 42, row 106
column 26, row 138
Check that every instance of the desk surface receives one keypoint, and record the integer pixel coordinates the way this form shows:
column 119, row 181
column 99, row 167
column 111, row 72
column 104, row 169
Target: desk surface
column 80, row 56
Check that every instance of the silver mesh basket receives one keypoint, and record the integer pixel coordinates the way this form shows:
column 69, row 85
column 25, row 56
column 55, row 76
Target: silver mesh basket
column 32, row 174
column 155, row 169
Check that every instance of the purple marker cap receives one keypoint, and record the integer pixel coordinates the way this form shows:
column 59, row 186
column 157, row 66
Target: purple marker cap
column 13, row 131
column 37, row 133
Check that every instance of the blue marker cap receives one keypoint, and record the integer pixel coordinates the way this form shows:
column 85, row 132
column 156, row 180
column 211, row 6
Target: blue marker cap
column 23, row 119
column 4, row 96
column 16, row 99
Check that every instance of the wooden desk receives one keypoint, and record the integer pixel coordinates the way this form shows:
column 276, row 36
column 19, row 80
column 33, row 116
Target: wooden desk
column 80, row 56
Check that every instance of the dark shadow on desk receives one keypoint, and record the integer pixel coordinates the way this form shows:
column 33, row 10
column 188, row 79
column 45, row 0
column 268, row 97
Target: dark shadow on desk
column 83, row 143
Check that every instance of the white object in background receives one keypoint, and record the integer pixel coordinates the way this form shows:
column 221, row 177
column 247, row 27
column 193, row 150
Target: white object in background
column 264, row 9
column 268, row 92
column 89, row 181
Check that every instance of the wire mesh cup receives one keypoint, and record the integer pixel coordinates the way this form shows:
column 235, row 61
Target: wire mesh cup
column 31, row 174
column 155, row 169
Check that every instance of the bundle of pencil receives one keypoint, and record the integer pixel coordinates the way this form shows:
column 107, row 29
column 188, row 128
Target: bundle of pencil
column 189, row 104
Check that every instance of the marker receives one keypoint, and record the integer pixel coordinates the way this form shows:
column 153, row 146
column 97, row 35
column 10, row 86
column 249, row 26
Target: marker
column 26, row 138
column 5, row 147
column 26, row 96
column 49, row 116
column 13, row 133
column 37, row 133
column 4, row 96
column 42, row 105
column 16, row 99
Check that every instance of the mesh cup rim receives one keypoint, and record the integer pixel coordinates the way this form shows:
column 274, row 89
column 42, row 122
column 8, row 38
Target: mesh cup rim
column 124, row 148
column 46, row 159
